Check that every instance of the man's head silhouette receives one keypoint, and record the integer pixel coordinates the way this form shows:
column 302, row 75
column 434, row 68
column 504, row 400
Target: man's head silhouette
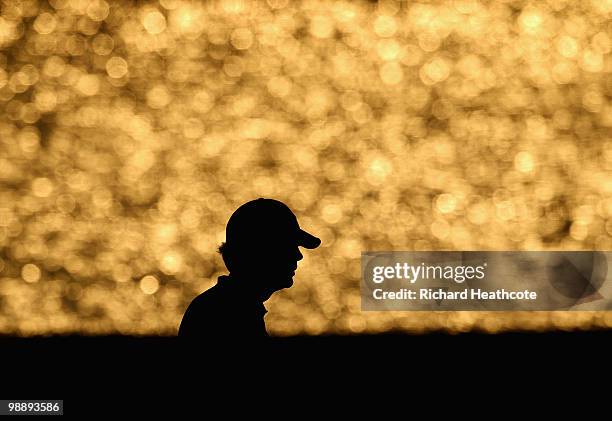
column 262, row 245
column 261, row 252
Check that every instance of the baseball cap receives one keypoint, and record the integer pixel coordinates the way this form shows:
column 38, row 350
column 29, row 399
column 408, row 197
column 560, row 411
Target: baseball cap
column 264, row 220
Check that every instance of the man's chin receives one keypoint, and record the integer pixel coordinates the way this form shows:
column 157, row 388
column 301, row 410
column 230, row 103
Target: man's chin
column 277, row 284
column 288, row 283
column 285, row 283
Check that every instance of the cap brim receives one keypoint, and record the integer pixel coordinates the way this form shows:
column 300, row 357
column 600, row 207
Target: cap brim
column 307, row 240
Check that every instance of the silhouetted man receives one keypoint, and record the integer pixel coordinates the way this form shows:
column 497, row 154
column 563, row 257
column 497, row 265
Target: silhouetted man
column 261, row 253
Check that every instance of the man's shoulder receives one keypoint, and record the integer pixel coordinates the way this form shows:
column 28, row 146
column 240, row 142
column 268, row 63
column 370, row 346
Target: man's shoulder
column 201, row 311
column 208, row 297
column 217, row 298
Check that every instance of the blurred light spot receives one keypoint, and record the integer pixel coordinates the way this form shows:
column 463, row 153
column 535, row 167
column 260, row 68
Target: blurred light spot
column 321, row 26
column 158, row 97
column 567, row 46
column 166, row 233
column 601, row 43
column 579, row 230
column 331, row 213
column 103, row 44
column 154, row 22
column 378, row 170
column 172, row 263
column 523, row 161
column 435, row 71
column 242, row 38
column 45, row 101
column 279, row 86
column 98, row 10
column 391, row 73
column 388, row 49
column 30, row 273
column 357, row 324
column 446, row 203
column 429, row 41
column 593, row 100
column 233, row 66
column 385, row 26
column 45, row 23
column 478, row 213
column 42, row 187
column 29, row 140
column 531, row 20
column 88, row 85
column 592, row 61
column 564, row 72
column 54, row 66
column 116, row 67
column 440, row 229
column 122, row 273
column 149, row 284
column 187, row 18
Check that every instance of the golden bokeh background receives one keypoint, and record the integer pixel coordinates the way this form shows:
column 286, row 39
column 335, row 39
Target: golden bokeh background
column 130, row 131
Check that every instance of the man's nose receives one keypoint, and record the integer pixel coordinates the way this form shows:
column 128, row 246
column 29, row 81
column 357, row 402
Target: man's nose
column 299, row 256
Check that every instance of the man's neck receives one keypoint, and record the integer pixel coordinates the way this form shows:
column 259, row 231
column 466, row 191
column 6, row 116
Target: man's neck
column 247, row 285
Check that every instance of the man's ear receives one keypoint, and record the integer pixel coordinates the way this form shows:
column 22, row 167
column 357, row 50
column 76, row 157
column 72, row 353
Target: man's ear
column 222, row 248
column 226, row 254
